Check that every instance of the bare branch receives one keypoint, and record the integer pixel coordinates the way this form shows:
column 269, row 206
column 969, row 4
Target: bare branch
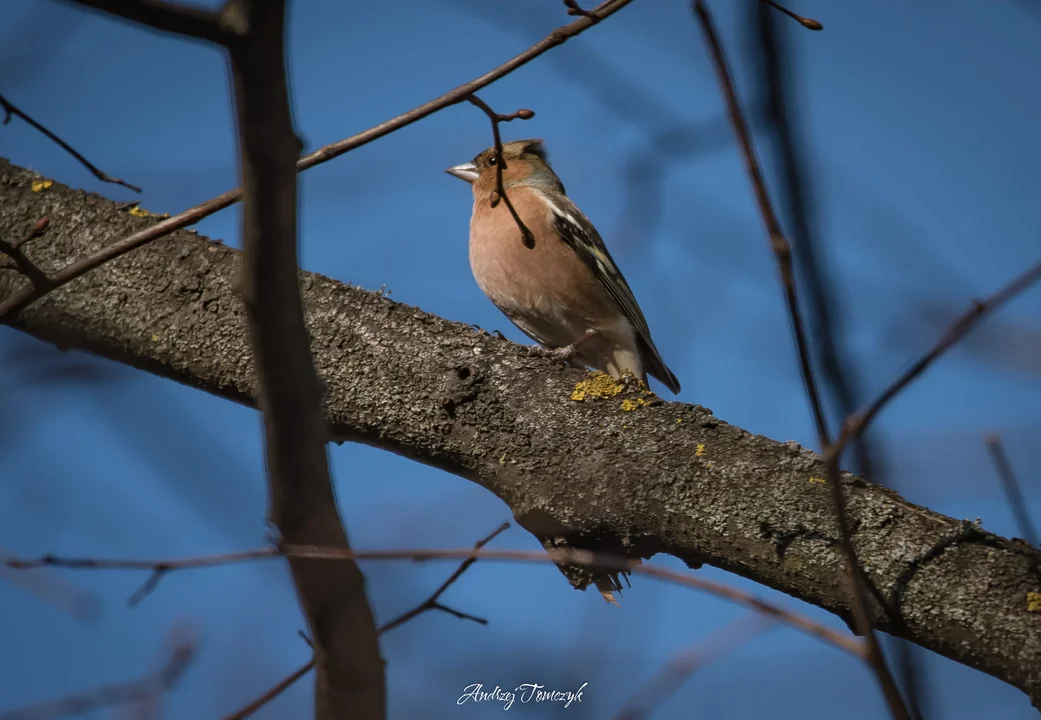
column 165, row 16
column 573, row 8
column 431, row 603
column 1012, row 489
column 22, row 263
column 500, row 161
column 558, row 37
column 778, row 81
column 24, row 297
column 10, row 110
column 808, row 23
column 182, row 655
column 563, row 556
column 284, row 684
column 778, row 242
column 958, row 329
column 782, row 249
column 81, row 604
column 691, row 659
column 156, row 566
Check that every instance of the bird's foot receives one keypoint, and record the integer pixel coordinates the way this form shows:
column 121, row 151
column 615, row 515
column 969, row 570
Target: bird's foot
column 561, row 354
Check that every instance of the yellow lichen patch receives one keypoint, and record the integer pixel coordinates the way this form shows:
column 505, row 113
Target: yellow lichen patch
column 596, row 386
column 40, row 185
column 502, row 459
column 650, row 398
column 630, row 405
column 1034, row 602
column 817, row 480
column 699, row 450
column 155, row 338
column 679, row 420
column 138, row 211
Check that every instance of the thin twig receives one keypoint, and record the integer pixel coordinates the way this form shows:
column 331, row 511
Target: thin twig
column 81, row 604
column 10, row 110
column 283, row 685
column 782, row 249
column 564, row 556
column 181, row 656
column 573, row 8
column 500, row 161
column 1013, row 491
column 431, row 603
column 692, row 659
column 192, row 563
column 778, row 242
column 22, row 263
column 191, row 216
column 147, row 587
column 778, row 82
column 808, row 23
column 38, row 229
column 856, row 424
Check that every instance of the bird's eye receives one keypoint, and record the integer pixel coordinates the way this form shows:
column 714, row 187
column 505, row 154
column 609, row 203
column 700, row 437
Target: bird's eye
column 493, row 160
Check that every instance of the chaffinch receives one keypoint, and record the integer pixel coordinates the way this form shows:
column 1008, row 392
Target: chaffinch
column 566, row 292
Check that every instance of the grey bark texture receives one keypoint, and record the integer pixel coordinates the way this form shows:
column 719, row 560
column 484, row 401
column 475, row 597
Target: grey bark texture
column 616, row 471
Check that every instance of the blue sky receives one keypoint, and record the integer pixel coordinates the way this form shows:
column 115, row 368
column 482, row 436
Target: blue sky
column 920, row 124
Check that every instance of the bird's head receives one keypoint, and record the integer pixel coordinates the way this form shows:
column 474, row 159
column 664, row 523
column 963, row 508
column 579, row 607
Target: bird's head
column 526, row 163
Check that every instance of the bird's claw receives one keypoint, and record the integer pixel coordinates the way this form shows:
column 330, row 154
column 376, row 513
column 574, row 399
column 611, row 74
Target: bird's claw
column 561, row 354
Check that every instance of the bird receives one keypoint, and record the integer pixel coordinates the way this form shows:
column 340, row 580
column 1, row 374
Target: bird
column 558, row 283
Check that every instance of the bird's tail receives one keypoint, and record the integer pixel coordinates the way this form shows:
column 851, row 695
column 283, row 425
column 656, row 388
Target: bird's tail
column 655, row 366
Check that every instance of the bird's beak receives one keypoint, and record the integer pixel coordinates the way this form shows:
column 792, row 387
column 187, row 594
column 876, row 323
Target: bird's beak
column 466, row 172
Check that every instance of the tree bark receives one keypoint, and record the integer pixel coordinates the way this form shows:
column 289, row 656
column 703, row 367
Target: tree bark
column 610, row 472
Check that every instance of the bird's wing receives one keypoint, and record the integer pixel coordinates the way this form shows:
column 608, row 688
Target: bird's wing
column 578, row 233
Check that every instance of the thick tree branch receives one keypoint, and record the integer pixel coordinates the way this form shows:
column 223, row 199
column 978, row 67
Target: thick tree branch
column 609, row 480
column 349, row 681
